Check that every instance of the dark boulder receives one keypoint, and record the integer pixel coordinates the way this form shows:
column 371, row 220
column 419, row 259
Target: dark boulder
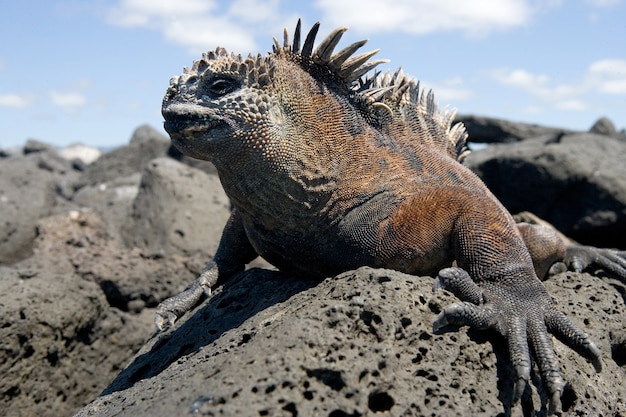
column 604, row 126
column 34, row 146
column 79, row 307
column 32, row 186
column 146, row 144
column 112, row 199
column 491, row 130
column 60, row 341
column 577, row 183
column 147, row 134
column 178, row 210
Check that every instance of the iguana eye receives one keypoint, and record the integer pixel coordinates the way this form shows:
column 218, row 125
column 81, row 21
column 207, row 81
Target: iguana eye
column 218, row 87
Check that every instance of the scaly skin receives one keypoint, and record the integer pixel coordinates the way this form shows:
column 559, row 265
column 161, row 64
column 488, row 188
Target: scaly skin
column 328, row 171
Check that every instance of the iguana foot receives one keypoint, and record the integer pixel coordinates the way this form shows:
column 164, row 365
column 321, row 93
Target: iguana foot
column 172, row 308
column 578, row 258
column 169, row 310
column 524, row 314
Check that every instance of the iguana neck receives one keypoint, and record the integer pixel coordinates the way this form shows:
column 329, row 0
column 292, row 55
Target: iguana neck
column 293, row 166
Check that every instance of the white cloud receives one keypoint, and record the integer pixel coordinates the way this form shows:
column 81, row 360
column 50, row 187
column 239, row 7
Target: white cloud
column 201, row 25
column 606, row 76
column 603, row 3
column 614, row 86
column 609, row 66
column 143, row 12
column 446, row 94
column 571, row 104
column 533, row 109
column 70, row 102
column 449, row 91
column 15, row 101
column 202, row 34
column 522, row 79
column 254, row 10
column 560, row 96
column 474, row 18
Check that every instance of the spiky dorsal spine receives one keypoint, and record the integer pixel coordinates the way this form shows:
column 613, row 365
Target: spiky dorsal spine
column 396, row 92
column 418, row 110
column 344, row 64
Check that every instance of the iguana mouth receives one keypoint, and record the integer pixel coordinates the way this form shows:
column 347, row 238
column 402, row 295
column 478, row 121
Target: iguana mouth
column 188, row 123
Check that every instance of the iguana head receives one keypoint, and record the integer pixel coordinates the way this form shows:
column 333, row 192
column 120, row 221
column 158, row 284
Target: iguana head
column 226, row 106
column 226, row 102
column 212, row 102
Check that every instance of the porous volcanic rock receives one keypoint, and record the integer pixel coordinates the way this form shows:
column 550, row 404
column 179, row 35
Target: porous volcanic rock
column 357, row 344
column 76, row 303
column 60, row 341
column 74, row 312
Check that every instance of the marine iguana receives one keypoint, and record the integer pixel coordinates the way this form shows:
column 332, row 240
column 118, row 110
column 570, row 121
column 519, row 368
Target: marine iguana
column 329, row 169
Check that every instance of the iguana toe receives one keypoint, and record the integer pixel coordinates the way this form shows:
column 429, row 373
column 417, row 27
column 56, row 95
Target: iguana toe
column 164, row 319
column 579, row 258
column 524, row 322
column 464, row 314
column 547, row 362
column 560, row 326
column 172, row 308
column 459, row 283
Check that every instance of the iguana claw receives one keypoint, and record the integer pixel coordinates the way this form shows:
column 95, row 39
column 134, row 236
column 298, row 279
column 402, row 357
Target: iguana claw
column 172, row 308
column 578, row 258
column 525, row 321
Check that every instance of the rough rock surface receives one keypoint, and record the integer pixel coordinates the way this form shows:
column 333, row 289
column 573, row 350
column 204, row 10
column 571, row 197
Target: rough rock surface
column 75, row 302
column 205, row 166
column 185, row 202
column 145, row 145
column 354, row 345
column 490, row 130
column 59, row 338
column 112, row 199
column 577, row 183
column 604, row 126
column 30, row 186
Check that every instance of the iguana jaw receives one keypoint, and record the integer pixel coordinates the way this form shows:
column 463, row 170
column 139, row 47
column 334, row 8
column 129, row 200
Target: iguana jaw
column 193, row 128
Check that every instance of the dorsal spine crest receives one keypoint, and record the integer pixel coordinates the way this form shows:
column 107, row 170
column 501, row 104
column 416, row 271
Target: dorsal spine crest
column 395, row 92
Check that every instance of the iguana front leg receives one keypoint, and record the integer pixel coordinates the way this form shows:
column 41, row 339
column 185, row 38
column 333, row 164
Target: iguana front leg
column 232, row 255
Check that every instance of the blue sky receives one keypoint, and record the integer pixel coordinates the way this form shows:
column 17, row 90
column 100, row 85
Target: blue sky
column 92, row 71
